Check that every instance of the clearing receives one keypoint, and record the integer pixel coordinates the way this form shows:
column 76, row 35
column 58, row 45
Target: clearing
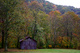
column 41, row 51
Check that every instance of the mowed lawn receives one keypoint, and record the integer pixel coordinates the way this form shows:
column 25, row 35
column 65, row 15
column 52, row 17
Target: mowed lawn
column 45, row 51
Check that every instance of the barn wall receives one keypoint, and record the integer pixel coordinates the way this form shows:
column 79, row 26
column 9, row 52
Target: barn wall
column 28, row 44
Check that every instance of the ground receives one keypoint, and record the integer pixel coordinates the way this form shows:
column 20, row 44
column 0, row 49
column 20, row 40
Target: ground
column 41, row 51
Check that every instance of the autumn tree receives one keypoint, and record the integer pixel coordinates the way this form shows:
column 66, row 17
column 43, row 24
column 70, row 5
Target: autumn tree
column 35, row 7
column 54, row 24
column 8, row 9
column 69, row 19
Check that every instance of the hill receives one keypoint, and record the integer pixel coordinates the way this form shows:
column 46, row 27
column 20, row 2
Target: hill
column 52, row 7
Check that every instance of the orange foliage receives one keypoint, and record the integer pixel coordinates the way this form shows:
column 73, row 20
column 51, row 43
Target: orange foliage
column 57, row 12
column 51, row 13
column 58, row 46
column 59, row 39
column 63, row 8
column 74, row 34
column 46, row 3
column 54, row 6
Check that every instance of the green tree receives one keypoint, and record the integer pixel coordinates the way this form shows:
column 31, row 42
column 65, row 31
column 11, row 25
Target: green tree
column 8, row 9
column 43, row 29
column 35, row 7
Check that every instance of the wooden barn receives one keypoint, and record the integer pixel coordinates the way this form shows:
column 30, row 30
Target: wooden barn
column 28, row 43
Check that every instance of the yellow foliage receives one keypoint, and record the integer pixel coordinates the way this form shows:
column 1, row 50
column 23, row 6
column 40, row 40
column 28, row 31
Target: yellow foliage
column 44, row 46
column 50, row 45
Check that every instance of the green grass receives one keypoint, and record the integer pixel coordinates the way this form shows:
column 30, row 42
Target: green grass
column 48, row 51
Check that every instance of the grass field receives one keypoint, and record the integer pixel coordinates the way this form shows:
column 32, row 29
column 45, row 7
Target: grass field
column 45, row 51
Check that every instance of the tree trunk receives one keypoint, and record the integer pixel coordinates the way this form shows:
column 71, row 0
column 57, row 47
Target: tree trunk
column 71, row 40
column 18, row 42
column 2, row 33
column 6, row 33
column 2, row 38
column 6, row 41
column 62, row 42
column 55, row 36
column 35, row 26
column 67, row 37
column 46, row 41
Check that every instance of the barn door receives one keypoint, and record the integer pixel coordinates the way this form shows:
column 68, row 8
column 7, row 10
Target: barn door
column 31, row 44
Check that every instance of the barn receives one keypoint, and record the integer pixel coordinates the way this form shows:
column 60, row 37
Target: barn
column 28, row 43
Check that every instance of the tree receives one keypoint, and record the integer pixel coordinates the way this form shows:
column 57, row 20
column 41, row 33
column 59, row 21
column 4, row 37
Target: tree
column 43, row 29
column 7, row 9
column 54, row 24
column 35, row 7
column 69, row 20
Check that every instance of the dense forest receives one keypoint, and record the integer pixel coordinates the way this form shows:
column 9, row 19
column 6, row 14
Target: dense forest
column 52, row 26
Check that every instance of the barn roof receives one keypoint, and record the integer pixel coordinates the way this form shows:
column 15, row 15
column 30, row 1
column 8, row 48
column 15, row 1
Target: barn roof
column 27, row 38
column 21, row 40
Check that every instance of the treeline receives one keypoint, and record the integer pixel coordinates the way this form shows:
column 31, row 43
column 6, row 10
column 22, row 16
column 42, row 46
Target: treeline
column 52, row 7
column 19, row 19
